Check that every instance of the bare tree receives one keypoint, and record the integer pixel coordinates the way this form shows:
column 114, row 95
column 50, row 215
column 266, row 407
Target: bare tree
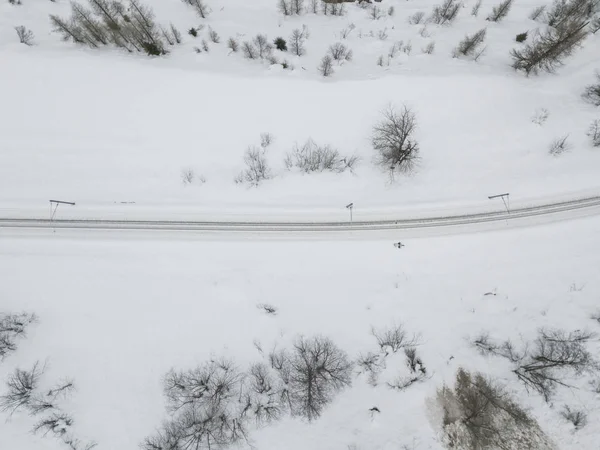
column 233, row 44
column 249, row 50
column 559, row 146
column 470, row 45
column 313, row 372
column 326, row 66
column 591, row 93
column 594, row 134
column 257, row 168
column 339, row 52
column 548, row 49
column 25, row 35
column 476, row 8
column 297, row 6
column 333, row 8
column 577, row 417
column 285, row 7
column 297, row 40
column 477, row 413
column 393, row 140
column 445, row 13
column 200, row 6
column 12, row 328
column 537, row 12
column 500, row 11
column 262, row 44
column 21, row 389
column 311, row 157
column 213, row 35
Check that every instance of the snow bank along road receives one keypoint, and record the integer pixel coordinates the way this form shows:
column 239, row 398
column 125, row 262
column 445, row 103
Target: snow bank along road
column 524, row 216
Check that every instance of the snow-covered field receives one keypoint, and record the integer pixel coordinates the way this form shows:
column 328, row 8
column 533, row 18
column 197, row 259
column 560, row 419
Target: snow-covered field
column 100, row 127
column 116, row 312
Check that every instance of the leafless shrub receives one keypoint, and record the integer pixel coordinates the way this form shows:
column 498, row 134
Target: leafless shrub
column 479, row 413
column 297, row 40
column 269, row 309
column 205, row 46
column 25, row 35
column 500, row 11
column 12, row 328
column 257, row 168
column 346, row 31
column 394, row 338
column 595, row 385
column 391, row 11
column 311, row 157
column 249, row 50
column 326, row 66
column 313, row 372
column 423, row 32
column 596, row 315
column 200, row 6
column 594, row 135
column 263, row 400
column 537, row 12
column 470, row 45
column 543, row 364
column 371, row 364
column 21, row 389
column 445, row 13
column 56, row 424
column 266, row 139
column 375, row 12
column 394, row 49
column 407, row 48
column 188, row 176
column 213, row 35
column 233, row 44
column 380, row 61
column 591, row 94
column 382, row 35
column 393, row 140
column 15, row 2
column 263, row 46
column 476, row 8
column 340, row 52
column 540, row 116
column 576, row 416
column 429, row 48
column 559, row 145
column 417, row 369
column 548, row 49
column 416, row 18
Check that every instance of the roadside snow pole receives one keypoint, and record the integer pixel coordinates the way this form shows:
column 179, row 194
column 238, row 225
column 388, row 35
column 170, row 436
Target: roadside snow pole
column 350, row 206
column 505, row 199
column 54, row 206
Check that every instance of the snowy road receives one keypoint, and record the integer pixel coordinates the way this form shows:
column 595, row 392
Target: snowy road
column 448, row 224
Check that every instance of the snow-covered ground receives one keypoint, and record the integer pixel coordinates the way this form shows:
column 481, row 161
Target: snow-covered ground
column 103, row 127
column 116, row 312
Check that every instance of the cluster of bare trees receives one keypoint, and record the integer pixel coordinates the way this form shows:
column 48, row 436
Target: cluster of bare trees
column 215, row 405
column 544, row 364
column 311, row 157
column 129, row 25
column 299, row 7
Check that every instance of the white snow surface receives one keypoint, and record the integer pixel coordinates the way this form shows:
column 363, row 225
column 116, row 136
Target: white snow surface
column 101, row 127
column 118, row 311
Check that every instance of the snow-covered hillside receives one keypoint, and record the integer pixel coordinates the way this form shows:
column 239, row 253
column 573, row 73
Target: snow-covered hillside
column 102, row 126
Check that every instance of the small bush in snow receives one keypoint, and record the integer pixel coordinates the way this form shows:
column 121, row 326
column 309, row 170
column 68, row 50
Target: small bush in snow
column 249, row 50
column 280, row 44
column 559, row 146
column 540, row 116
column 470, row 46
column 576, row 416
column 445, row 13
column 394, row 338
column 205, row 46
column 339, row 52
column 477, row 413
column 262, row 45
column 416, row 18
column 233, row 44
column 537, row 12
column 312, row 373
column 371, row 364
column 382, row 35
column 193, row 32
column 200, row 7
column 326, row 66
column 418, row 371
column 429, row 48
column 214, row 36
column 380, row 61
column 25, row 36
column 591, row 94
column 346, row 31
column 375, row 13
column 500, row 11
column 311, row 157
column 257, row 168
column 407, row 48
column 188, row 176
column 521, row 37
column 391, row 11
column 393, row 140
column 476, row 8
column 594, row 134
column 12, row 328
column 297, row 40
column 548, row 49
column 15, row 2
column 267, row 308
